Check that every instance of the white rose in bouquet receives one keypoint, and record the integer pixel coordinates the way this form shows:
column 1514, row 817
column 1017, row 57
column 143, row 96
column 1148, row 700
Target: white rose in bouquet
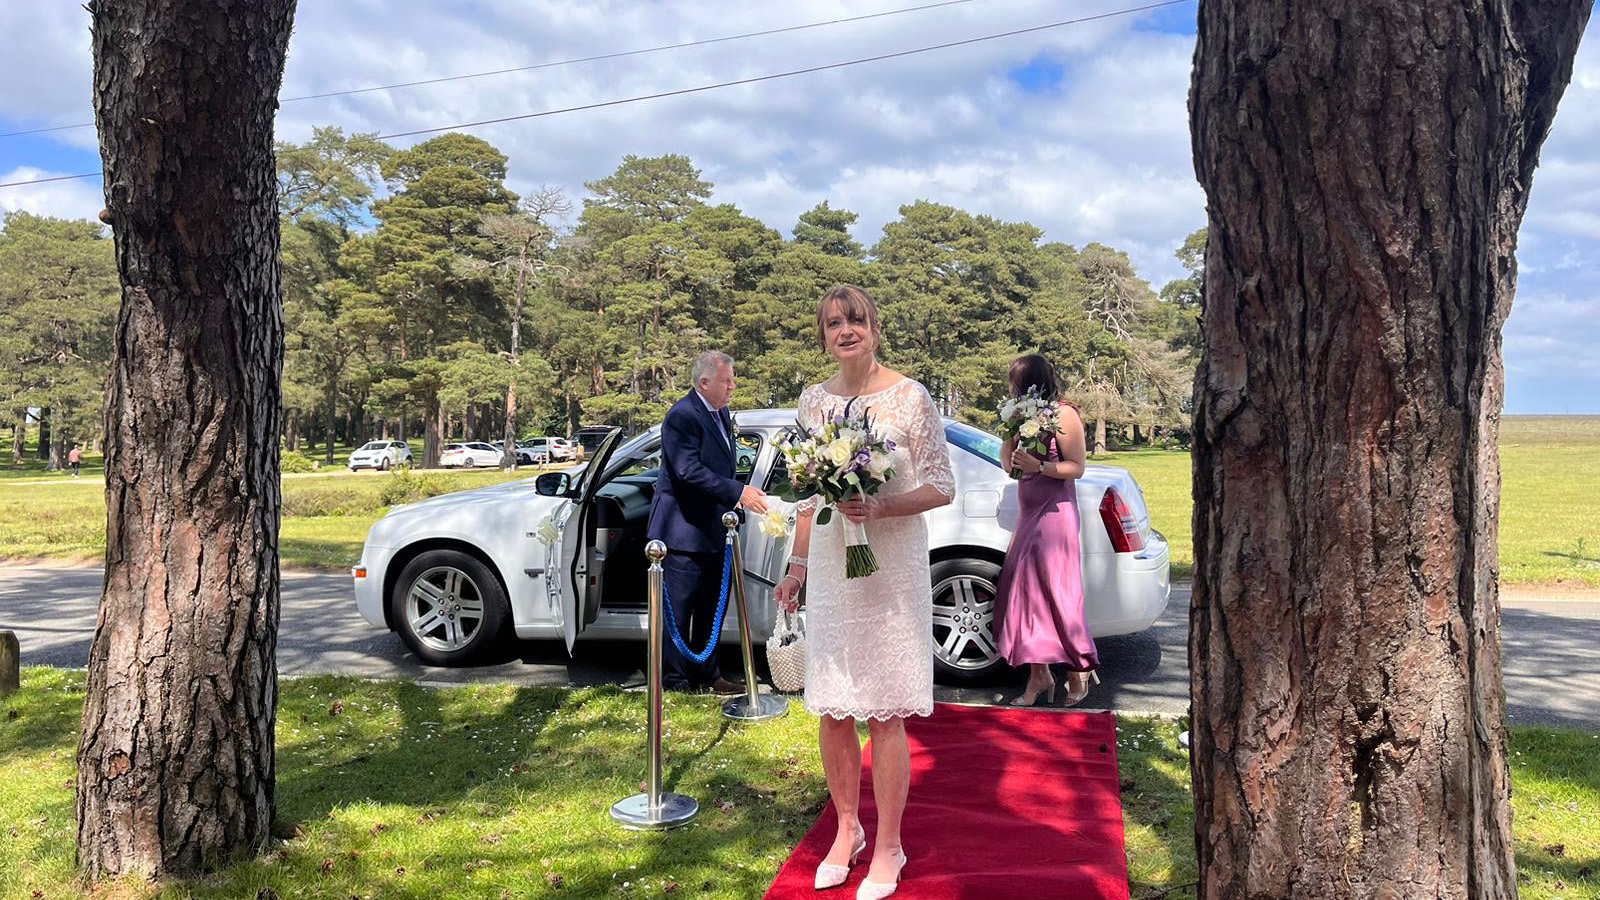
column 878, row 465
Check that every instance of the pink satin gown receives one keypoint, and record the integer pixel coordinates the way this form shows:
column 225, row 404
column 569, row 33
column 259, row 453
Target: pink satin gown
column 1040, row 604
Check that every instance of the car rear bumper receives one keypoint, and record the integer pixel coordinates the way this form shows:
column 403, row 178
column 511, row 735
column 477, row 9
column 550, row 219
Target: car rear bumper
column 1127, row 592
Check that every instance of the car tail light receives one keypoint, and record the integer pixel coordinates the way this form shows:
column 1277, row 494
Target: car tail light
column 1121, row 526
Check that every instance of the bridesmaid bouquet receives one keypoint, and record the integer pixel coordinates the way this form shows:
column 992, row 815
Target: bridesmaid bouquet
column 842, row 459
column 1029, row 420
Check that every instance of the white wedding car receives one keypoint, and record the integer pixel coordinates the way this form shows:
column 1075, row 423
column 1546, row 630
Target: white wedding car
column 562, row 555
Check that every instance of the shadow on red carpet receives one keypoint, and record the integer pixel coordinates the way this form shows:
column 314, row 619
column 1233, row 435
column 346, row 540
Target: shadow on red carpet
column 1009, row 804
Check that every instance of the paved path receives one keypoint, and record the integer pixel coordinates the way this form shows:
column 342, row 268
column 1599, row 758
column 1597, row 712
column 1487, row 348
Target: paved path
column 1552, row 648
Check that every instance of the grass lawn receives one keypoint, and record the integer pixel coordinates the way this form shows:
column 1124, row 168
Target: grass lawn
column 395, row 790
column 325, row 517
column 1549, row 500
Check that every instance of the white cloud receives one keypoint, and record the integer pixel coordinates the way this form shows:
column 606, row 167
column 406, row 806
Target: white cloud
column 76, row 199
column 1105, row 156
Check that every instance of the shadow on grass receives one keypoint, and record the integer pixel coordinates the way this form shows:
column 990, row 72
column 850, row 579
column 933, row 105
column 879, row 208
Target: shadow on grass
column 1557, row 775
column 485, row 783
column 1157, row 808
column 35, row 719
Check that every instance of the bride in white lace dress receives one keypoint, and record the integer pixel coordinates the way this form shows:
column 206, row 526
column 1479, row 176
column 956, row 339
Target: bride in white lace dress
column 869, row 641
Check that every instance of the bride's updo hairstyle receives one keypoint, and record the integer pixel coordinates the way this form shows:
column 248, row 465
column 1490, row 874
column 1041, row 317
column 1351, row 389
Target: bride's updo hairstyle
column 854, row 302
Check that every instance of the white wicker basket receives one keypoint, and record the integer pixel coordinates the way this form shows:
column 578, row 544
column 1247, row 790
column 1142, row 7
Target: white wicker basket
column 786, row 653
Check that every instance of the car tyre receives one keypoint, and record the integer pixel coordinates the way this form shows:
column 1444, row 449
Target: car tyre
column 448, row 607
column 383, row 464
column 964, row 592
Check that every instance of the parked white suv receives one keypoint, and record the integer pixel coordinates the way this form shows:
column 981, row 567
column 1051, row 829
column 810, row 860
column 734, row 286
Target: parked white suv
column 380, row 455
column 549, row 449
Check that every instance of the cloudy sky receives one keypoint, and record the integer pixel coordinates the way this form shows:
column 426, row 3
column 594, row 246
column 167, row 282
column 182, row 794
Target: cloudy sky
column 1080, row 130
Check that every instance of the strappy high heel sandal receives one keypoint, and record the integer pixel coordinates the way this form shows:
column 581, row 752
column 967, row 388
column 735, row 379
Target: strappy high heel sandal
column 1074, row 697
column 1049, row 695
column 831, row 876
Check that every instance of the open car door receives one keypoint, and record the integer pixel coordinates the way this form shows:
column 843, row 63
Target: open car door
column 580, row 601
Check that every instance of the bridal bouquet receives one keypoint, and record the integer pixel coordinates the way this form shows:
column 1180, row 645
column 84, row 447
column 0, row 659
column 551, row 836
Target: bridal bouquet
column 1029, row 420
column 837, row 461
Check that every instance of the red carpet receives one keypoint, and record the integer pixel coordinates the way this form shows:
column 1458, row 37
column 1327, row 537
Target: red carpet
column 1006, row 804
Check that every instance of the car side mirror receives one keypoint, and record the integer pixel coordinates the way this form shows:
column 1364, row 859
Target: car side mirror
column 552, row 484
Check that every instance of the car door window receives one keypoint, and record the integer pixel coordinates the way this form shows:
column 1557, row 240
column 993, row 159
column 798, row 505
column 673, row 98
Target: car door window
column 748, row 449
column 645, row 461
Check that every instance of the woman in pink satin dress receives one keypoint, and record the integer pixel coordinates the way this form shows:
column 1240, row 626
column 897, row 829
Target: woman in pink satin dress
column 1040, row 603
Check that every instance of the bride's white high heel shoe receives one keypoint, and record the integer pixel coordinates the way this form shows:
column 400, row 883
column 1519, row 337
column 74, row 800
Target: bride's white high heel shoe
column 874, row 890
column 831, row 876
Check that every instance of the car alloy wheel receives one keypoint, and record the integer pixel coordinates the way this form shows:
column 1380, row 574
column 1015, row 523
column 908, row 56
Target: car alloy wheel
column 964, row 592
column 383, row 464
column 444, row 609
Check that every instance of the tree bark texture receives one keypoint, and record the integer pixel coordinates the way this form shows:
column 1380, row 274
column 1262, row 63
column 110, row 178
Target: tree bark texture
column 176, row 757
column 1367, row 164
column 433, row 432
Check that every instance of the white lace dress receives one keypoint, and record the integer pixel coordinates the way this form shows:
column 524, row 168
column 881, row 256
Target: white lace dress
column 869, row 641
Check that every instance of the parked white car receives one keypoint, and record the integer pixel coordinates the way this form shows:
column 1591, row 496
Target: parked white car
column 451, row 573
column 468, row 455
column 380, row 455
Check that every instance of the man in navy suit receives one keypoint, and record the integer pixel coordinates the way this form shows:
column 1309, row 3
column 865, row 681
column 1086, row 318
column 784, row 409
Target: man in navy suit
column 695, row 487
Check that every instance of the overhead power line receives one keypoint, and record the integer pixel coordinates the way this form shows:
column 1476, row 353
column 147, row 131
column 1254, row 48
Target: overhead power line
column 566, row 62
column 790, row 74
column 726, row 84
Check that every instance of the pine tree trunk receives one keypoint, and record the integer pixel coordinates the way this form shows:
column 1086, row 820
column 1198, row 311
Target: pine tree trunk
column 43, row 450
column 19, row 437
column 1099, row 437
column 328, row 433
column 175, row 764
column 432, row 433
column 58, row 450
column 291, row 431
column 1366, row 166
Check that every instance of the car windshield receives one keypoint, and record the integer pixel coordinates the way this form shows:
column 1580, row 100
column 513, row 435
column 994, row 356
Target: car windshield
column 978, row 443
column 374, row 445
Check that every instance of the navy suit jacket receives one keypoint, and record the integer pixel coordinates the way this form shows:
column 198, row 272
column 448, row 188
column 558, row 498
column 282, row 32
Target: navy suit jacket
column 696, row 484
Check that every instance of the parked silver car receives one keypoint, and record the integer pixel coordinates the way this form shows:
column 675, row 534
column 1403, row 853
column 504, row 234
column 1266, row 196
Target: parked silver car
column 450, row 574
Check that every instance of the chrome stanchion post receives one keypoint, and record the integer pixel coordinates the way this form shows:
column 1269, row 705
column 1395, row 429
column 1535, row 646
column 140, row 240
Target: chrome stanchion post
column 754, row 706
column 654, row 810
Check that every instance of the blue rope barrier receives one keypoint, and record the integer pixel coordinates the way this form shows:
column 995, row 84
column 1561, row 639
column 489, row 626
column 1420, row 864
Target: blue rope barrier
column 716, row 625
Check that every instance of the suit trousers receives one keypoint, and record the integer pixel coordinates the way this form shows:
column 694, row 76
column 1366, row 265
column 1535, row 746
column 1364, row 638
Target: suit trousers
column 693, row 583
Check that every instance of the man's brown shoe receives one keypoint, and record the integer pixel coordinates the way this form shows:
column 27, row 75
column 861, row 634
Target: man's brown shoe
column 725, row 687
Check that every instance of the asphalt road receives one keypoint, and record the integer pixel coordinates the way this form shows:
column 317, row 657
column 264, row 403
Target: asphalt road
column 1552, row 648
